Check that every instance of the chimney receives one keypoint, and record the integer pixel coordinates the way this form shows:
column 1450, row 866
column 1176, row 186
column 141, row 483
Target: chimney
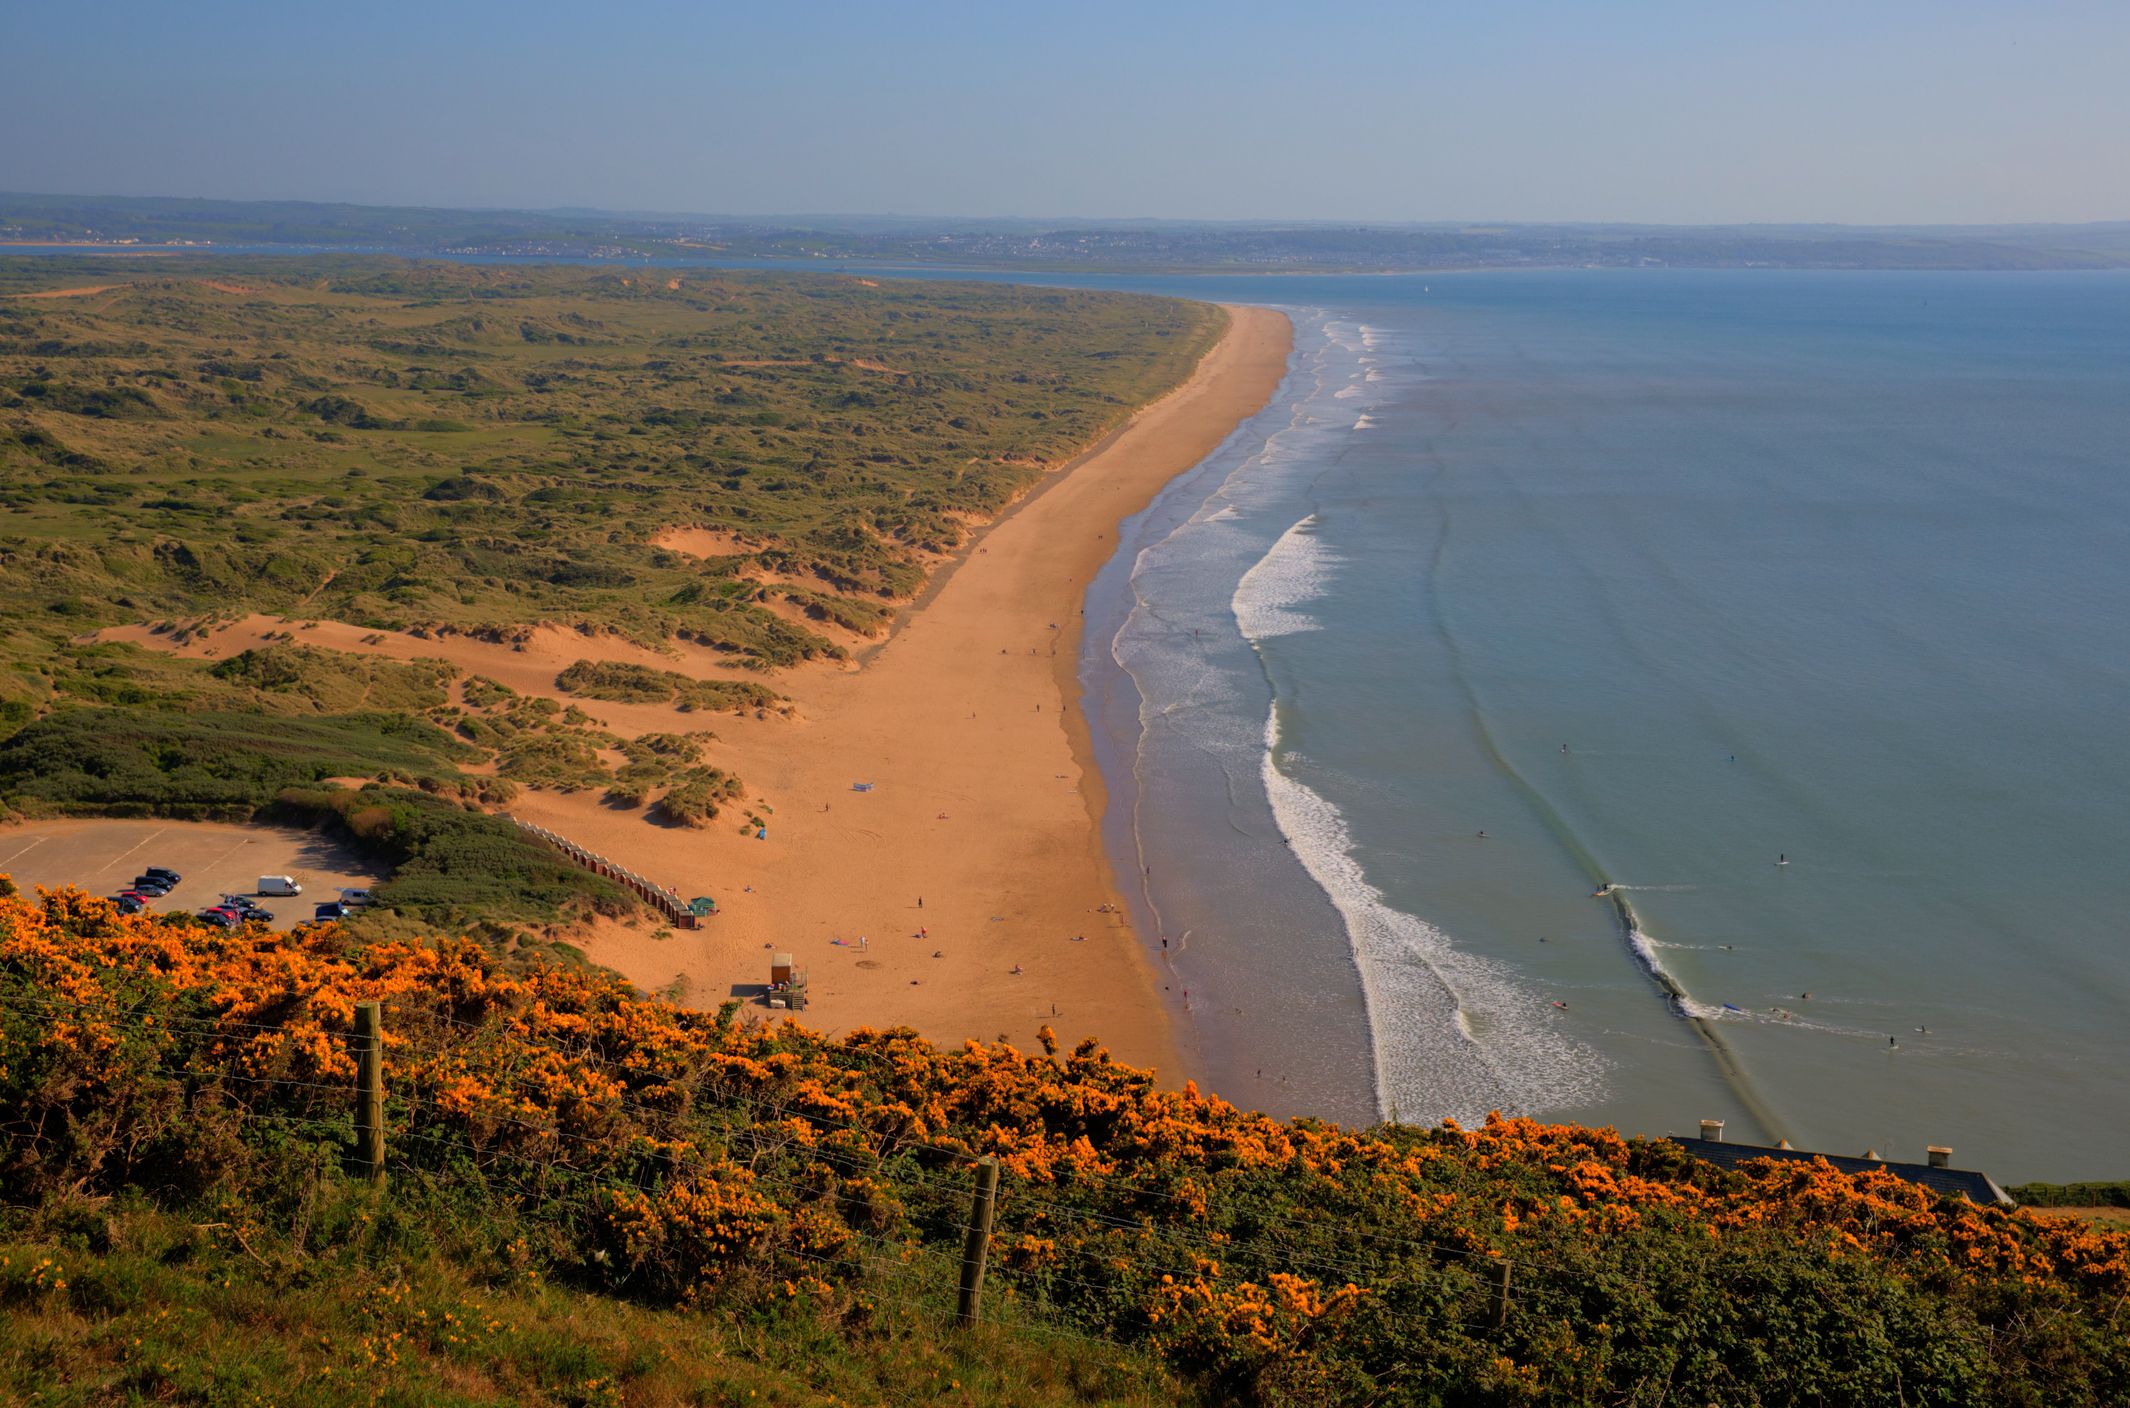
column 1940, row 1156
column 1783, row 1144
column 1712, row 1131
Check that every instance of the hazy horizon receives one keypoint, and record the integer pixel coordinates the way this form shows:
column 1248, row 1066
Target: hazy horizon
column 1535, row 113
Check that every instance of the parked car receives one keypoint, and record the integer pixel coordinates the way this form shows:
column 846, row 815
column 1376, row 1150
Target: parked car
column 242, row 904
column 134, row 895
column 325, row 913
column 357, row 898
column 150, row 885
column 129, row 905
column 170, row 877
column 227, row 918
column 279, row 885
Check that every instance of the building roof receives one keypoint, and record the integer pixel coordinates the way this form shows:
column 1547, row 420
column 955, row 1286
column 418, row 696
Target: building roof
column 1976, row 1187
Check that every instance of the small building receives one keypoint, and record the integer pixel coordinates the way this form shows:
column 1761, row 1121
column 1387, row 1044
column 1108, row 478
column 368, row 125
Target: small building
column 787, row 984
column 1937, row 1174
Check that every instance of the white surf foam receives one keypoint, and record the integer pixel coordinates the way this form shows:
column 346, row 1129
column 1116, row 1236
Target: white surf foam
column 1455, row 1035
column 1364, row 422
column 1347, row 394
column 1294, row 572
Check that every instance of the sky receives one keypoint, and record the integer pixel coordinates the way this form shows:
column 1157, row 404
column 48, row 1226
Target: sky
column 1867, row 111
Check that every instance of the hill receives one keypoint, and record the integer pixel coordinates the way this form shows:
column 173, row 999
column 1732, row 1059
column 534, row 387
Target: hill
column 591, row 1198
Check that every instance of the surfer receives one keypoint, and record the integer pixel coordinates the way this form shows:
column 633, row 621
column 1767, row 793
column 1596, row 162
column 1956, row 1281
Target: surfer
column 1482, row 835
column 1562, row 1005
column 1601, row 891
column 1782, row 858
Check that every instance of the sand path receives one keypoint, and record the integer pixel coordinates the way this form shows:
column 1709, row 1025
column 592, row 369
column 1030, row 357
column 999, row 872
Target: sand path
column 985, row 803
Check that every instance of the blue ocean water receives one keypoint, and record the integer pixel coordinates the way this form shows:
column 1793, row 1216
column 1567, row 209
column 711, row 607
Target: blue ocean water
column 1654, row 578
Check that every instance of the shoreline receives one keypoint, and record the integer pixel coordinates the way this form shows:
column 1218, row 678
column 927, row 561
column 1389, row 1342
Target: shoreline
column 966, row 719
column 969, row 892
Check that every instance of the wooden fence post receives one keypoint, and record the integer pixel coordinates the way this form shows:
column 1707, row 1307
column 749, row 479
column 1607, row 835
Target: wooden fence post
column 977, row 1247
column 1501, row 1309
column 370, row 1089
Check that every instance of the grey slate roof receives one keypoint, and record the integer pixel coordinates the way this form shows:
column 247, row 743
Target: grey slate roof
column 1977, row 1188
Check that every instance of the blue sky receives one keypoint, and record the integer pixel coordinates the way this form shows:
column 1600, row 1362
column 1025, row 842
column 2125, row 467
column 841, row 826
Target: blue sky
column 1627, row 110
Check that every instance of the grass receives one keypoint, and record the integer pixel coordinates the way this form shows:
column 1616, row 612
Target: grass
column 171, row 448
column 131, row 1304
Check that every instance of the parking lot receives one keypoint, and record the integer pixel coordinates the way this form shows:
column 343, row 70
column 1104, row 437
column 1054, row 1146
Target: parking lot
column 216, row 859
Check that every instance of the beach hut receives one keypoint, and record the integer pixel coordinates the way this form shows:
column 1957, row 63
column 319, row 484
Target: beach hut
column 779, row 969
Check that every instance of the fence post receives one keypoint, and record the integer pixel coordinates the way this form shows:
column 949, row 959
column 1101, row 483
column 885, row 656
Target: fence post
column 1501, row 1309
column 977, row 1247
column 370, row 1089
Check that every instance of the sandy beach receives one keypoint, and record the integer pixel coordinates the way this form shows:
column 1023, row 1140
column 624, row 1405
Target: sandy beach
column 966, row 893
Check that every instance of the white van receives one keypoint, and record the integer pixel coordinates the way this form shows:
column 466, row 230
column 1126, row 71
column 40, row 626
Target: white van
column 278, row 885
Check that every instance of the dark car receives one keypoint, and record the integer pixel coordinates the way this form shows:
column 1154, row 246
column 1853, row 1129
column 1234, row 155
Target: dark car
column 242, row 904
column 227, row 918
column 326, row 912
column 129, row 905
column 168, row 877
column 152, row 885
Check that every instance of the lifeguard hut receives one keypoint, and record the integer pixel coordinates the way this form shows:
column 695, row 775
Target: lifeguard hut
column 787, row 984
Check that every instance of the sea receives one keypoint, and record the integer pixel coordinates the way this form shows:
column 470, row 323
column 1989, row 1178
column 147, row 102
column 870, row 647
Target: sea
column 1640, row 697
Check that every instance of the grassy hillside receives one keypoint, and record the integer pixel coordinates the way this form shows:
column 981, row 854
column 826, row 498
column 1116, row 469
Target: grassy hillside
column 596, row 1198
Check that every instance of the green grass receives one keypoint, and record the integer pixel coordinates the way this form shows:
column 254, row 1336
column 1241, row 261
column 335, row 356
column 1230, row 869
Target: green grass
column 2072, row 1195
column 126, row 1304
column 171, row 449
column 453, row 867
column 629, row 683
column 145, row 760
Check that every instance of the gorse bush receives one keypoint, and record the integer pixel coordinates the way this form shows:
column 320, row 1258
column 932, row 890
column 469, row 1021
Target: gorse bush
column 668, row 1156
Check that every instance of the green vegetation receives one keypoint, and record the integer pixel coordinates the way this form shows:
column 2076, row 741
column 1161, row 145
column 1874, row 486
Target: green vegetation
column 640, row 684
column 2072, row 1195
column 455, row 868
column 581, row 1183
column 208, row 766
column 276, row 437
column 127, row 1303
column 485, row 451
